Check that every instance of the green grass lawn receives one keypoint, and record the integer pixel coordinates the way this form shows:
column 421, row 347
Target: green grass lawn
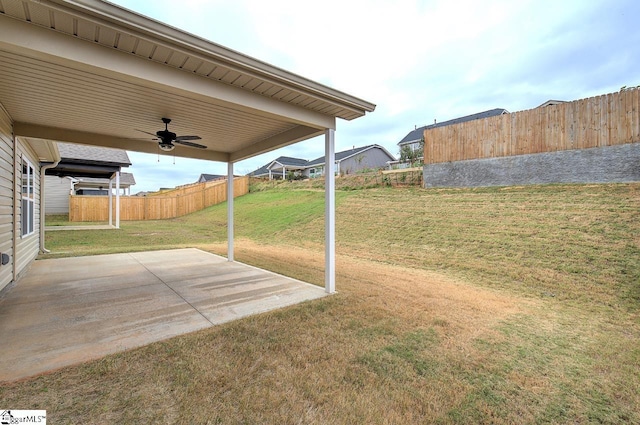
column 493, row 305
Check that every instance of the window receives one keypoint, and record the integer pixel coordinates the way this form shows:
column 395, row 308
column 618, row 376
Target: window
column 315, row 172
column 28, row 198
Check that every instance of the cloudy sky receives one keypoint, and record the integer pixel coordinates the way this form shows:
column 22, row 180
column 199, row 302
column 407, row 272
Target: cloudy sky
column 416, row 60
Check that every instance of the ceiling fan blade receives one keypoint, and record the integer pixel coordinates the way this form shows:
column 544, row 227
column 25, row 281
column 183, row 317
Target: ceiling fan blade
column 180, row 138
column 146, row 132
column 190, row 144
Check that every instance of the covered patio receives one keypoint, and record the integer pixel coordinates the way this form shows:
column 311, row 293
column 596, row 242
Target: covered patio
column 71, row 310
column 93, row 73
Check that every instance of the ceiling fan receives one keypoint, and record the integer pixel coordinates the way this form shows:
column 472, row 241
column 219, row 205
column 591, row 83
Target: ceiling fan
column 166, row 138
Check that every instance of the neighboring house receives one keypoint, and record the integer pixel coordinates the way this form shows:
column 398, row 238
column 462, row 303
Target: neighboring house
column 57, row 191
column 100, row 186
column 352, row 160
column 552, row 102
column 210, row 177
column 284, row 165
column 279, row 167
column 347, row 162
column 89, row 161
column 414, row 138
column 84, row 170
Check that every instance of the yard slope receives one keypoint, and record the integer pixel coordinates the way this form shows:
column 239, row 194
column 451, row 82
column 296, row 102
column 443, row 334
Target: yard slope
column 501, row 305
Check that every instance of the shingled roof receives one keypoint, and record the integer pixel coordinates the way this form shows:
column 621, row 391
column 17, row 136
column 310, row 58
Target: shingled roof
column 71, row 152
column 210, row 177
column 416, row 135
column 88, row 161
column 287, row 161
column 340, row 156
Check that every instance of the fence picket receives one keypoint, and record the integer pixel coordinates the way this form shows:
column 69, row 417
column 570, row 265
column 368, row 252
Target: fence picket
column 169, row 204
column 604, row 120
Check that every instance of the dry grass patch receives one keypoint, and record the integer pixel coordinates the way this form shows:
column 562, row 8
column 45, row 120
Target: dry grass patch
column 418, row 297
column 395, row 345
column 380, row 351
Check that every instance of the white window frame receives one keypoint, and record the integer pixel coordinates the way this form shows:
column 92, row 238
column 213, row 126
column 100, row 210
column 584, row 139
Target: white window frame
column 28, row 199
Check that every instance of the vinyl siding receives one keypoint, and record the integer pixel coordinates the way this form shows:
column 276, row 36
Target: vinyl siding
column 6, row 197
column 57, row 195
column 371, row 158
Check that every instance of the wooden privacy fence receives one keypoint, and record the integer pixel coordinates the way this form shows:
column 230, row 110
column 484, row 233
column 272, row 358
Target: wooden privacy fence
column 611, row 119
column 169, row 204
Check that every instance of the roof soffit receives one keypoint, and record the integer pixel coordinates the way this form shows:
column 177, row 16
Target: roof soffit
column 45, row 150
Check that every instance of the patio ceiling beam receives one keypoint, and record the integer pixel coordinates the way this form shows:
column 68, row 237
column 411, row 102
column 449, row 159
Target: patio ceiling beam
column 85, row 138
column 279, row 140
column 51, row 46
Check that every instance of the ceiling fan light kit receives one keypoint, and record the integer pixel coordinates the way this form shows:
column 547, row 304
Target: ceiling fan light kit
column 167, row 138
column 167, row 147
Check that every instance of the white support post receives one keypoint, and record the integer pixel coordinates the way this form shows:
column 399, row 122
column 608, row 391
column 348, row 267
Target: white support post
column 117, row 199
column 110, row 202
column 284, row 170
column 230, row 211
column 329, row 212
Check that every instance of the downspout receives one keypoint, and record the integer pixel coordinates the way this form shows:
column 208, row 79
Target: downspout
column 43, row 169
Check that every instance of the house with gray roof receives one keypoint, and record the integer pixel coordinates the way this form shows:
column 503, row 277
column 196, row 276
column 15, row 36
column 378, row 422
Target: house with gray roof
column 84, row 170
column 88, row 161
column 280, row 167
column 552, row 102
column 352, row 160
column 210, row 177
column 413, row 138
column 347, row 162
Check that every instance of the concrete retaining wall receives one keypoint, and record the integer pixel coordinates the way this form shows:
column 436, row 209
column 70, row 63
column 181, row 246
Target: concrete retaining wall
column 610, row 164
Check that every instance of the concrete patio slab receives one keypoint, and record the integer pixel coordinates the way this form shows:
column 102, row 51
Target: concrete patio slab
column 70, row 310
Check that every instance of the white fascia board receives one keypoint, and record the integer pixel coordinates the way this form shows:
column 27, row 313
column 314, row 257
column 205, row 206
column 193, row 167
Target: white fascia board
column 270, row 166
